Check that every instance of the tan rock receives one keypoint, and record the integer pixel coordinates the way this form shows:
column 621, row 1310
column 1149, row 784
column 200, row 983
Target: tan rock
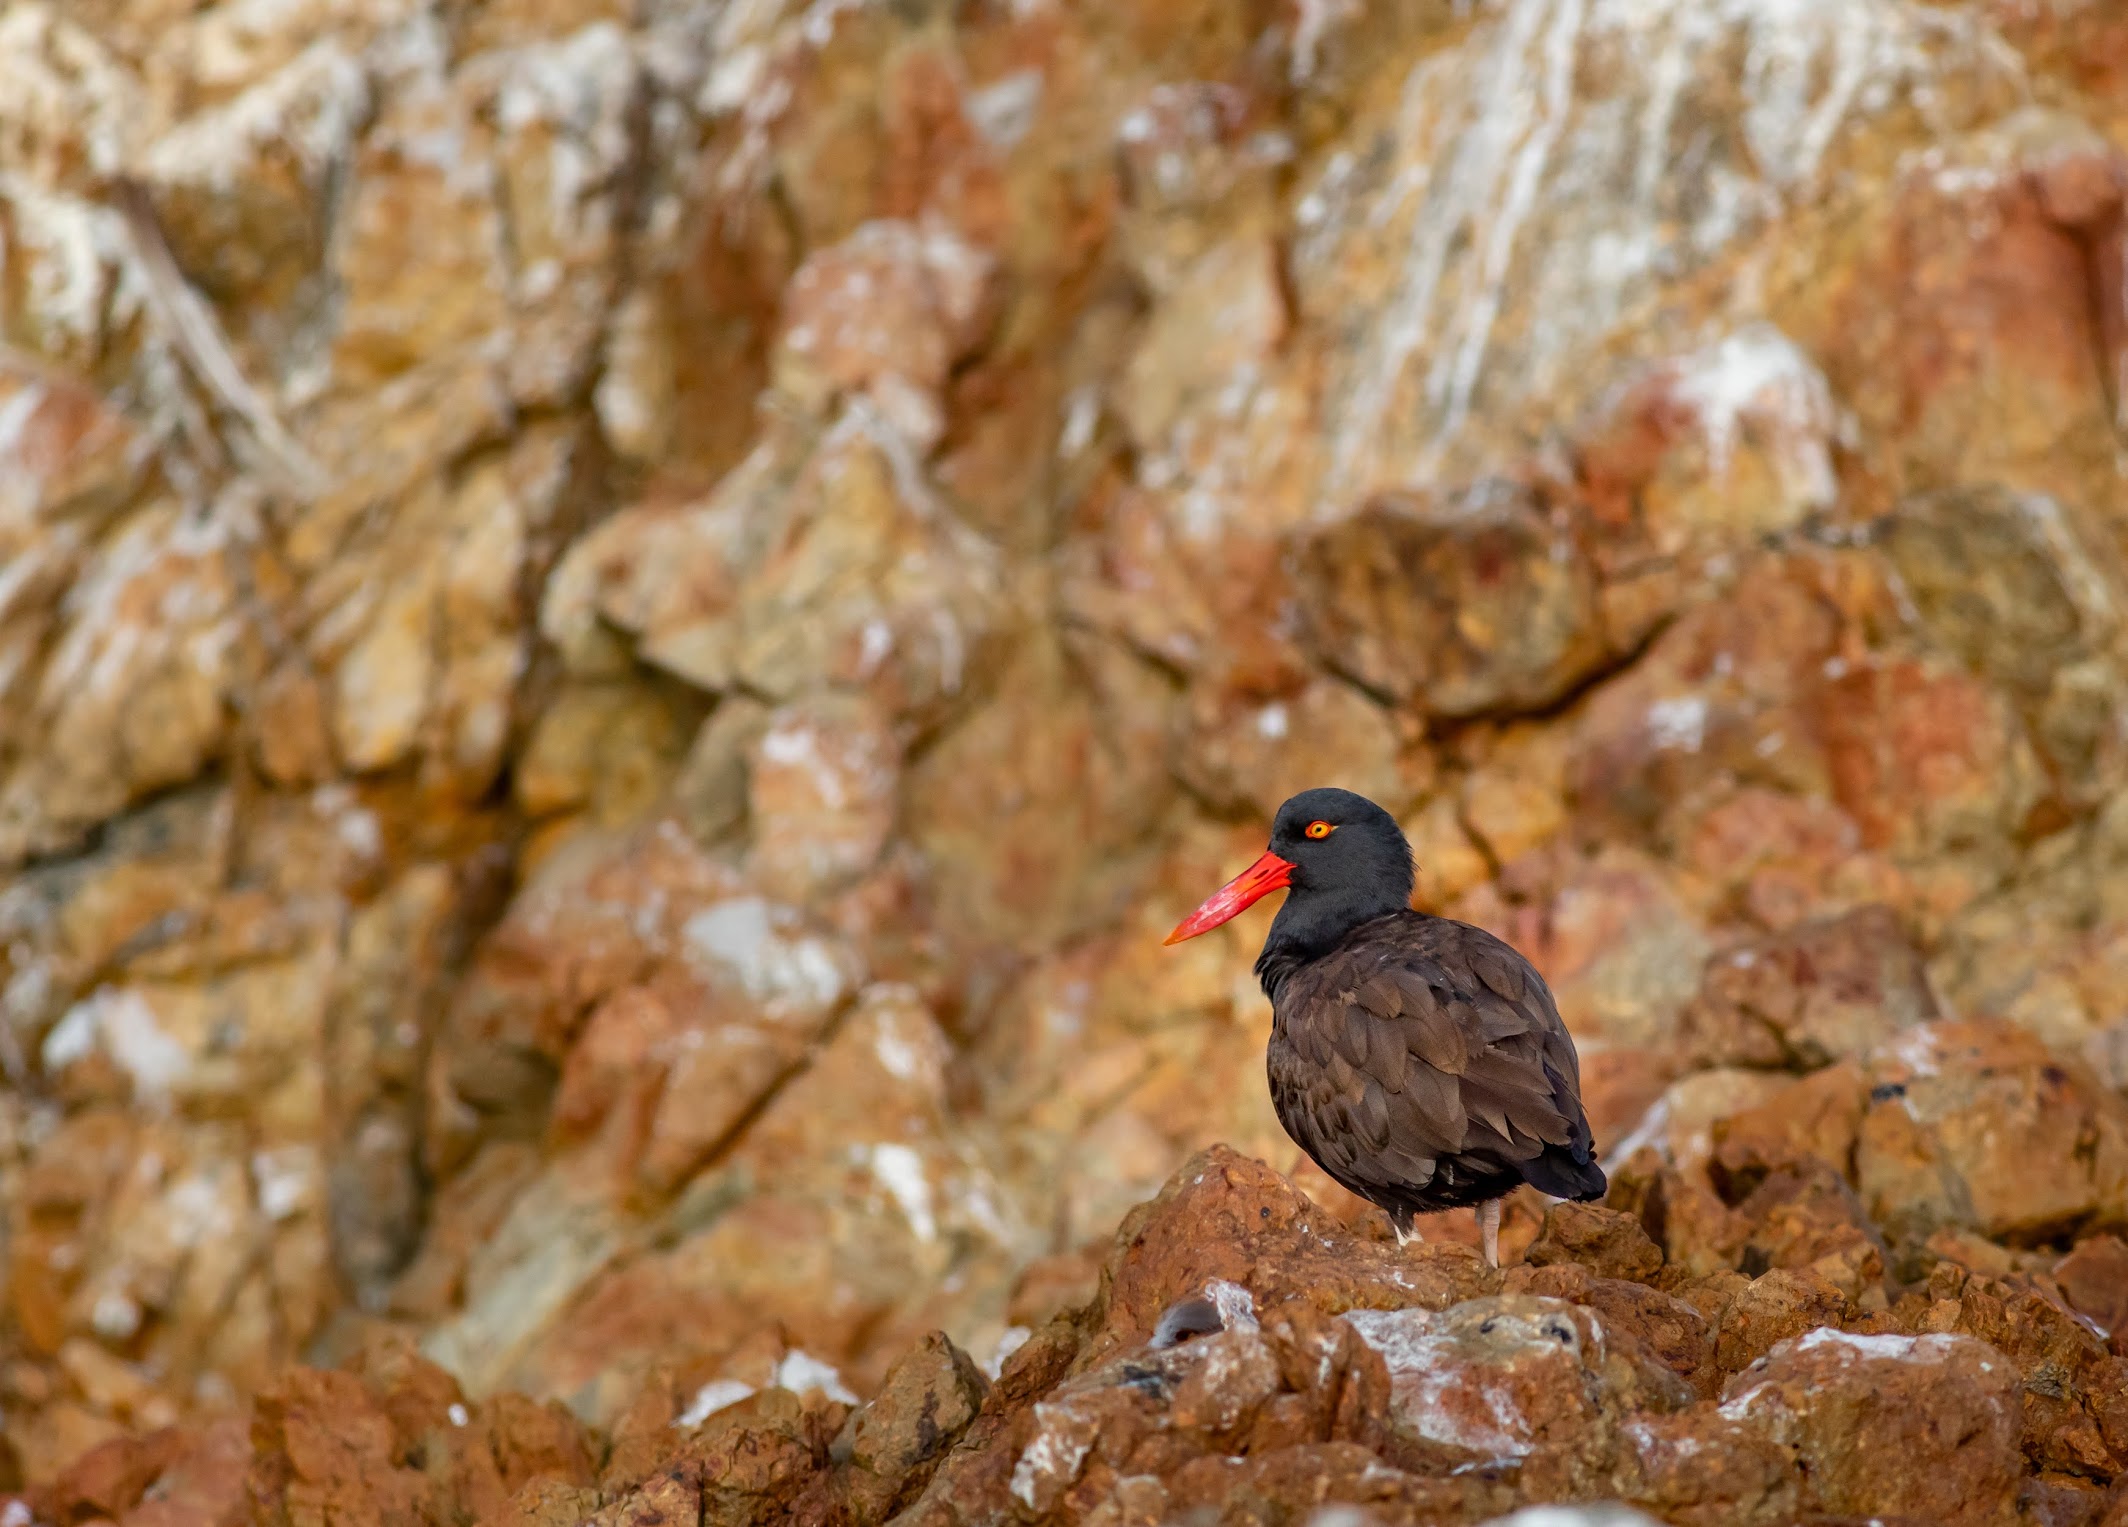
column 1989, row 274
column 381, row 688
column 596, row 918
column 1802, row 1216
column 1515, row 801
column 1818, row 1116
column 73, row 108
column 1977, row 1124
column 120, row 716
column 838, row 566
column 1823, row 991
column 837, row 1223
column 1048, row 773
column 1450, row 862
column 70, row 454
column 822, row 787
column 567, row 110
column 2001, row 581
column 1197, row 579
column 242, row 186
column 2046, row 953
column 635, row 394
column 609, row 749
column 399, row 313
column 1930, row 763
column 1611, row 1244
column 886, row 312
column 1019, row 446
column 1681, row 1125
column 1196, row 160
column 1455, row 256
column 1252, row 753
column 1231, row 295
column 1732, row 441
column 1714, row 702
column 711, row 789
column 1620, row 949
column 1778, row 858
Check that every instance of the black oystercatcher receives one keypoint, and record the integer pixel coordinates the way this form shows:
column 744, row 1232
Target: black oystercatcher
column 1419, row 1061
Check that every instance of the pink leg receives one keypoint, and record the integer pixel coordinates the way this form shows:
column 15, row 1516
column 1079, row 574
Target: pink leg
column 1489, row 1231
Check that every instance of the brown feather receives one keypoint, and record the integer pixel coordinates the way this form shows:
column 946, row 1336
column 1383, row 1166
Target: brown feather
column 1422, row 1063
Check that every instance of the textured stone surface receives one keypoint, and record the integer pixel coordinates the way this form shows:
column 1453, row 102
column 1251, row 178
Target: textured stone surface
column 1921, row 1426
column 622, row 624
column 1241, row 1351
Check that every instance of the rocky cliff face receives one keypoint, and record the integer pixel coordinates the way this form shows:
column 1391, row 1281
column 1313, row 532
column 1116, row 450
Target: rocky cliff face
column 622, row 621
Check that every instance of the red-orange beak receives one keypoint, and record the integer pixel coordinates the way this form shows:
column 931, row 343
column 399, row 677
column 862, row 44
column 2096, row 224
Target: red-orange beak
column 1268, row 874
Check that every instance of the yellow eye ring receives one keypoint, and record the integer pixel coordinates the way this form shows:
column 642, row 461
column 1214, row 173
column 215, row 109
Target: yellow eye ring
column 1319, row 830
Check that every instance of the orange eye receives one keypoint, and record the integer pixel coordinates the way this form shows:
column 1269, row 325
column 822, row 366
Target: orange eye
column 1319, row 829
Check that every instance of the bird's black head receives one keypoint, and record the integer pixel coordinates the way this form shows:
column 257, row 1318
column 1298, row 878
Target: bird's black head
column 1342, row 860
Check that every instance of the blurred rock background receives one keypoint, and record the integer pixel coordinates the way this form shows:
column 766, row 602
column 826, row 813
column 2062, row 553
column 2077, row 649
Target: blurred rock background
column 623, row 621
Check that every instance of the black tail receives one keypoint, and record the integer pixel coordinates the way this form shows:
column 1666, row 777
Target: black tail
column 1567, row 1172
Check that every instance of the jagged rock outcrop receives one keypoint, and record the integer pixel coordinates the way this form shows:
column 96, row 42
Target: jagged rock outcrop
column 1249, row 1358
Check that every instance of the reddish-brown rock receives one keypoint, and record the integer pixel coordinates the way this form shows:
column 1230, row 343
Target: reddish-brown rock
column 1217, row 1218
column 892, row 1444
column 2094, row 1279
column 622, row 624
column 1816, row 993
column 1522, row 631
column 1768, row 1310
column 1923, row 1427
column 1978, row 1124
column 1646, row 1324
column 1608, row 1243
column 1817, row 1116
column 2075, row 1408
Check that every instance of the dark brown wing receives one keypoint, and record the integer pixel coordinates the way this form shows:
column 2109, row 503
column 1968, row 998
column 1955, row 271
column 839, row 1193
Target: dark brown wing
column 1424, row 1059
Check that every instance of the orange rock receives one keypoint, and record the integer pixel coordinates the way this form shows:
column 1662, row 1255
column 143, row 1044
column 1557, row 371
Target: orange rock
column 1716, row 701
column 110, row 1480
column 1861, row 1414
column 1609, row 1243
column 822, row 792
column 1018, row 444
column 1818, row 1116
column 887, row 311
column 1521, row 634
column 2075, row 1411
column 1216, row 1219
column 1819, row 992
column 204, row 1487
column 1651, row 1327
column 320, row 1447
column 1771, row 1309
column 2094, row 1277
column 1977, row 1124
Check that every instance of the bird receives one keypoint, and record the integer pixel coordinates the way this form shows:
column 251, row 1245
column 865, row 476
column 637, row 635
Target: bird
column 1419, row 1061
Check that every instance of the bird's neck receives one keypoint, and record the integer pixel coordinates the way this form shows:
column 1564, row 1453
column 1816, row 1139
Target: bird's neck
column 1312, row 924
